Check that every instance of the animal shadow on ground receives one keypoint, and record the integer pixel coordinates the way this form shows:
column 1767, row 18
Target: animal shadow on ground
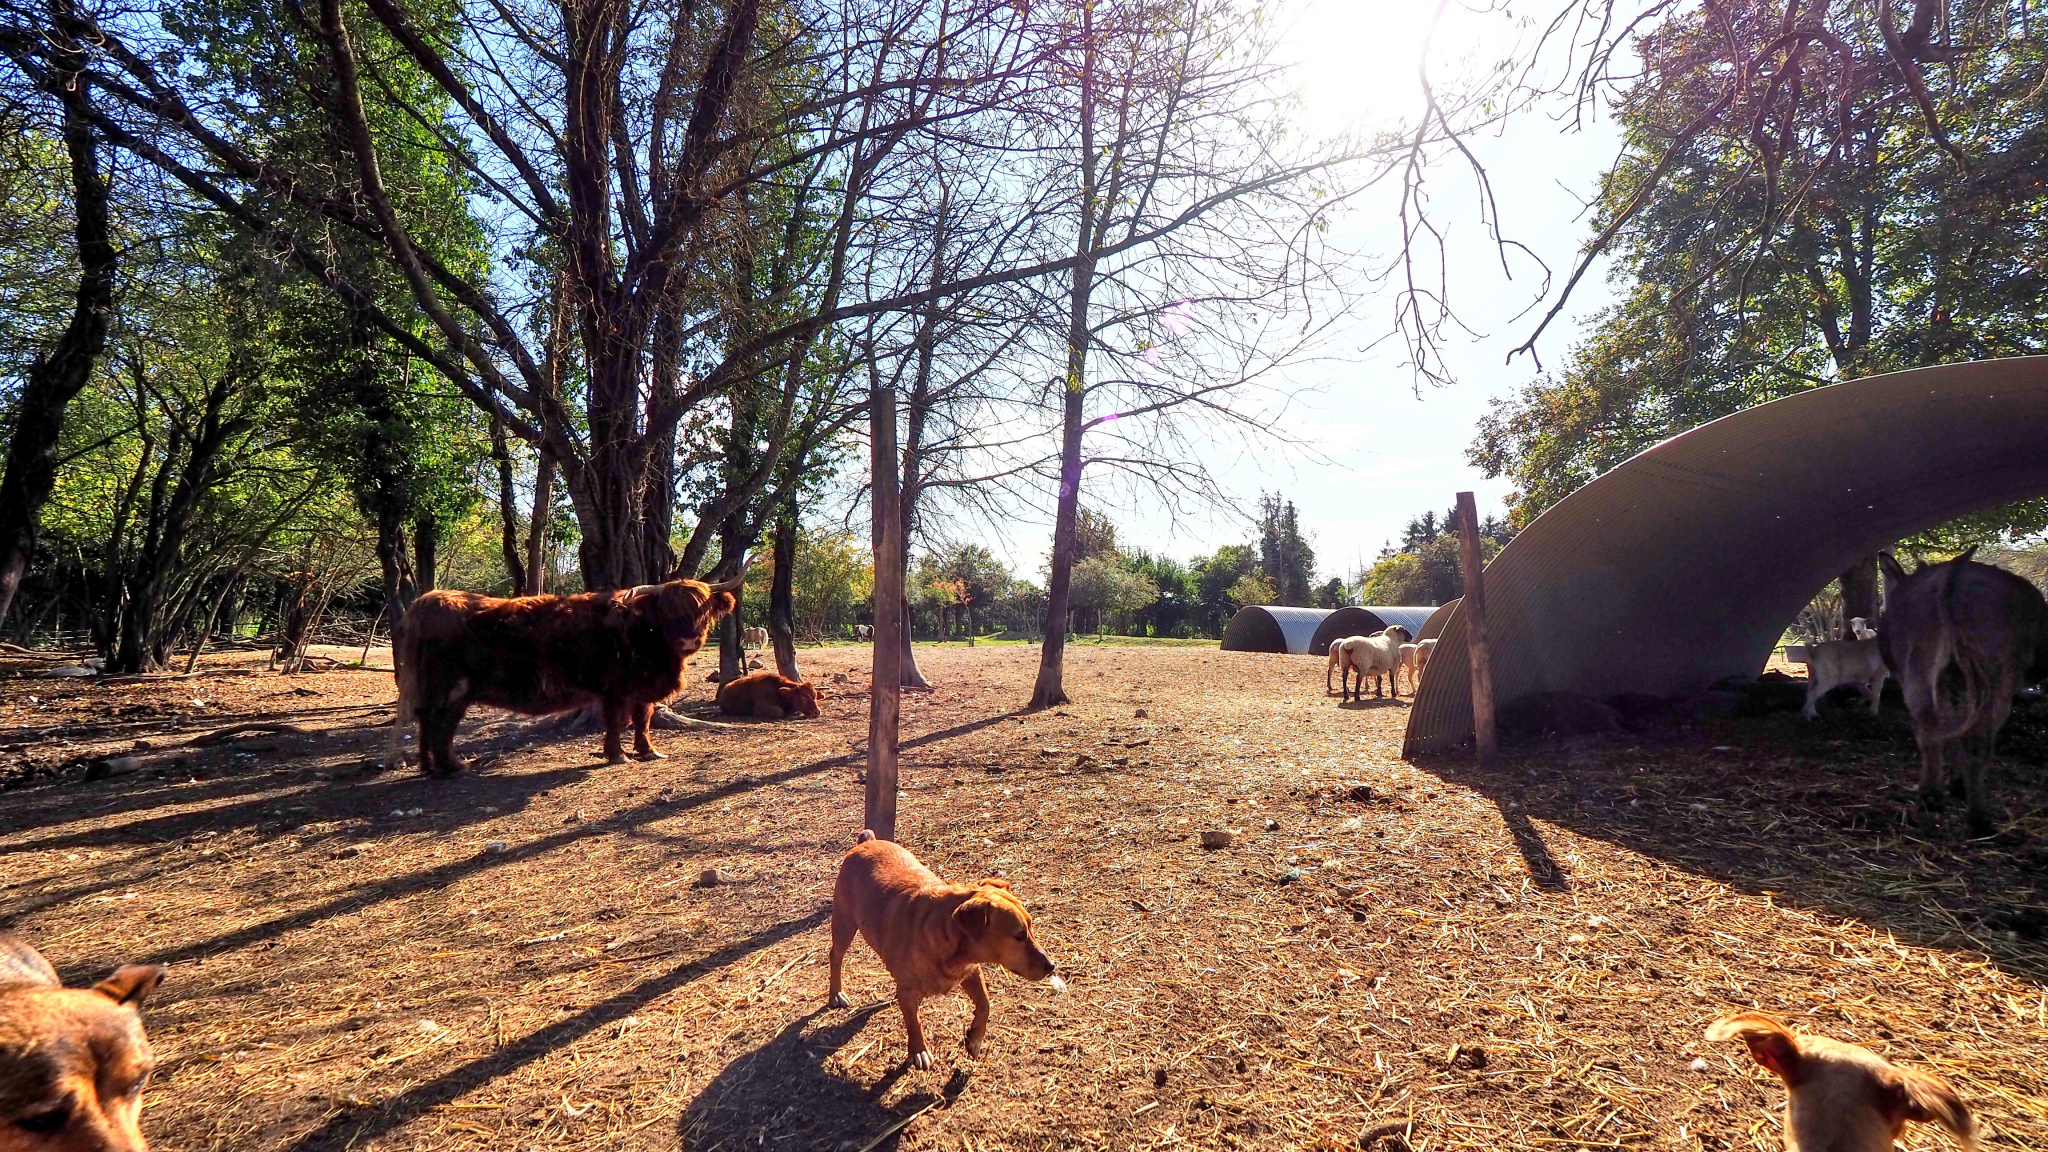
column 1368, row 703
column 781, row 1094
column 1823, row 814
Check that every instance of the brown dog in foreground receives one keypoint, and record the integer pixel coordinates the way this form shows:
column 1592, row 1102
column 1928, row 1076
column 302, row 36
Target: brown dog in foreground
column 1844, row 1098
column 932, row 936
column 73, row 1061
column 767, row 696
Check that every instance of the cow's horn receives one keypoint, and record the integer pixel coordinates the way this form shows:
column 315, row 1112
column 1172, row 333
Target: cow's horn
column 637, row 589
column 733, row 585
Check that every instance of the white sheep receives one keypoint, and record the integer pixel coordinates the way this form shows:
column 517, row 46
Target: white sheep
column 1377, row 654
column 1834, row 663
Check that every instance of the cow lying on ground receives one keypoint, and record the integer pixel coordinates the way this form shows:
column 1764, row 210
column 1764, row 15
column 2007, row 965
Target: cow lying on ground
column 768, row 696
column 1377, row 654
column 1833, row 663
column 1962, row 637
column 622, row 651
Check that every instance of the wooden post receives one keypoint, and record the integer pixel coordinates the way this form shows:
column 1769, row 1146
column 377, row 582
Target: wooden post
column 1485, row 736
column 885, row 690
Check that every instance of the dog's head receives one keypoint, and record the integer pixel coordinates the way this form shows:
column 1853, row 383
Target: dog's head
column 1844, row 1096
column 995, row 929
column 73, row 1061
column 800, row 697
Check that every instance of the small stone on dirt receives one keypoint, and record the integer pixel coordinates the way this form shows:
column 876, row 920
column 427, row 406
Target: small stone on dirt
column 496, row 847
column 1699, row 1064
column 713, row 877
column 1138, row 715
column 347, row 852
column 1218, row 838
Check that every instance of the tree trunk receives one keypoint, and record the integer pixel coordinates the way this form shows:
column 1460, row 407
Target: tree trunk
column 782, row 592
column 31, row 464
column 1859, row 593
column 537, row 533
column 426, row 537
column 732, row 657
column 508, row 508
column 399, row 589
column 885, row 690
column 1051, row 688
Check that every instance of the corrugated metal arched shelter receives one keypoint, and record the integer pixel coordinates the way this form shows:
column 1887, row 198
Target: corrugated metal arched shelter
column 1683, row 564
column 1272, row 628
column 1434, row 626
column 1357, row 621
column 1308, row 631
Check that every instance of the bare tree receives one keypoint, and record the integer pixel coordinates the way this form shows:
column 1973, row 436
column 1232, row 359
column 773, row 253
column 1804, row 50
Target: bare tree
column 1169, row 129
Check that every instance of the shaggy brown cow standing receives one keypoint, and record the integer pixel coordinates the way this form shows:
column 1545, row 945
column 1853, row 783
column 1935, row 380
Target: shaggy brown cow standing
column 622, row 651
column 1961, row 637
column 767, row 696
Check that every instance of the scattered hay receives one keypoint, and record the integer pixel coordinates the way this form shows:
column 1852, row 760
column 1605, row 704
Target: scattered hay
column 1388, row 955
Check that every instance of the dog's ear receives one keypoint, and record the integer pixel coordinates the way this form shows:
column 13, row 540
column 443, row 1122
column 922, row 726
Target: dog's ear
column 992, row 882
column 972, row 917
column 1771, row 1044
column 1927, row 1099
column 130, row 984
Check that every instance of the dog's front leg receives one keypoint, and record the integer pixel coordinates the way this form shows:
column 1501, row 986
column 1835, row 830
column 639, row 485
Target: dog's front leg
column 977, row 992
column 920, row 1056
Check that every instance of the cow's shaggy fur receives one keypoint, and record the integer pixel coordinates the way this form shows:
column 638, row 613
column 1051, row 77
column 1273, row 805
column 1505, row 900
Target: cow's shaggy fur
column 622, row 651
column 768, row 696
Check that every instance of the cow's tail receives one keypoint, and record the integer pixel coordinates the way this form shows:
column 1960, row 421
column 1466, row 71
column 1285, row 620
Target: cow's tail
column 405, row 668
column 1956, row 712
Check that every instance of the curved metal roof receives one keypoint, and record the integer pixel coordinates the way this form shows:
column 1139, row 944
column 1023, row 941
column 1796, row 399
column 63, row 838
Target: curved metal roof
column 1434, row 626
column 1272, row 628
column 1363, row 621
column 1683, row 564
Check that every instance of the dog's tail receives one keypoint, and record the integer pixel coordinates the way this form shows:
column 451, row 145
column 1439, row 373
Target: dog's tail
column 865, row 836
column 405, row 668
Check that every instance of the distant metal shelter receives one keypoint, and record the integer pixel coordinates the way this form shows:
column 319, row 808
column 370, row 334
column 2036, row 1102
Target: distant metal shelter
column 1357, row 621
column 1683, row 564
column 1308, row 631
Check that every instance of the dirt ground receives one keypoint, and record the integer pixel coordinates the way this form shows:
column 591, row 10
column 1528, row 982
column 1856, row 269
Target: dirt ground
column 525, row 957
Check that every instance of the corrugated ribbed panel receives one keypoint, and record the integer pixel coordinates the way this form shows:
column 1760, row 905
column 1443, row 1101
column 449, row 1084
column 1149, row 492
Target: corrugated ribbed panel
column 1685, row 563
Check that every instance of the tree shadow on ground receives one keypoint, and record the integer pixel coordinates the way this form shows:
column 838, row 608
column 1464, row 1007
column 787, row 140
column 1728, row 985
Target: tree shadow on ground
column 782, row 1095
column 352, row 1129
column 1821, row 815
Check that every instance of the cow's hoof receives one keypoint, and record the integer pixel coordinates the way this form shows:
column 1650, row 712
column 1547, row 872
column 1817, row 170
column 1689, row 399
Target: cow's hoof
column 615, row 758
column 921, row 1059
column 838, row 1000
column 974, row 1046
column 1932, row 798
column 651, row 754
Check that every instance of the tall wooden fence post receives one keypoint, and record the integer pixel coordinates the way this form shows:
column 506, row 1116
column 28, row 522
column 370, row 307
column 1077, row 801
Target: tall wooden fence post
column 885, row 689
column 1485, row 735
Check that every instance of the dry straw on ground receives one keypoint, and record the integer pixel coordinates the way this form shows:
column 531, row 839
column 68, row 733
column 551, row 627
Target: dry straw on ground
column 1388, row 954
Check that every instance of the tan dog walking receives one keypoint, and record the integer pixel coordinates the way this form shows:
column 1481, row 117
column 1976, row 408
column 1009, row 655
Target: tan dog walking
column 932, row 936
column 1844, row 1098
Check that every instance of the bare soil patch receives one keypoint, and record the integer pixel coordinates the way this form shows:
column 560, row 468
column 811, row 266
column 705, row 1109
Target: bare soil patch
column 524, row 958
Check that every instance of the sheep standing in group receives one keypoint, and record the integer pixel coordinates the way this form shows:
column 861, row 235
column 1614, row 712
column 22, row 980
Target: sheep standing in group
column 1415, row 657
column 1377, row 654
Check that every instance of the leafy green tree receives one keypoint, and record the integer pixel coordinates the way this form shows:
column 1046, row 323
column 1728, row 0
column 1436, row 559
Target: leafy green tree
column 1797, row 206
column 1285, row 557
column 1215, row 576
column 1109, row 591
column 1333, row 593
column 1180, row 599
